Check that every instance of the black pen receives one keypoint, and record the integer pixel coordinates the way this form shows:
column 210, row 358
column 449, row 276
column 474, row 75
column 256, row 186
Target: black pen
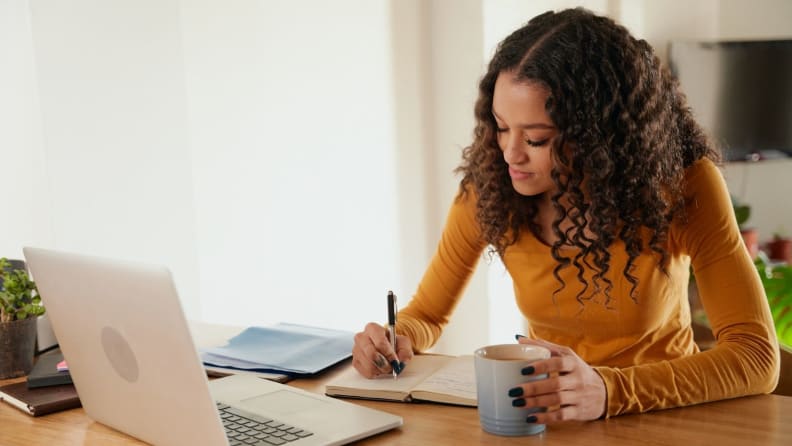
column 392, row 329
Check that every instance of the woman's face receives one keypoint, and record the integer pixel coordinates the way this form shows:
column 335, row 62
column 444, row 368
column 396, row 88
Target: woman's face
column 525, row 133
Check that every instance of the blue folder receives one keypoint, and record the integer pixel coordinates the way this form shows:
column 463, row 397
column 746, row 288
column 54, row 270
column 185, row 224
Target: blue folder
column 284, row 348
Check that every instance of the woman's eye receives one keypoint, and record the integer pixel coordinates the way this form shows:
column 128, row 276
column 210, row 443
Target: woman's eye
column 537, row 143
column 500, row 130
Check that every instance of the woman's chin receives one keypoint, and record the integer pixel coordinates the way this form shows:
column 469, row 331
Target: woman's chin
column 528, row 190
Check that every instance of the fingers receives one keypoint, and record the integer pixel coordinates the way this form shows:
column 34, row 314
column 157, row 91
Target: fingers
column 404, row 349
column 566, row 388
column 373, row 354
column 553, row 406
column 548, row 386
column 547, row 392
column 366, row 359
column 565, row 413
column 559, row 364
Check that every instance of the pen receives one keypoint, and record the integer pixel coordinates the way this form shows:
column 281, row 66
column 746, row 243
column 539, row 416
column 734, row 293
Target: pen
column 392, row 329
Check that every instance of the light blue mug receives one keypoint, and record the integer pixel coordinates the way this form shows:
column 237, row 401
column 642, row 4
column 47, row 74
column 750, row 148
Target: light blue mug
column 498, row 369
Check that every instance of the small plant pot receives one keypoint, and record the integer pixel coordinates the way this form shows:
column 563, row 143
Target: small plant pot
column 780, row 249
column 17, row 346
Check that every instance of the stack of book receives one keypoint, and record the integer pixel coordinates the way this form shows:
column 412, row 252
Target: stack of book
column 280, row 352
column 46, row 390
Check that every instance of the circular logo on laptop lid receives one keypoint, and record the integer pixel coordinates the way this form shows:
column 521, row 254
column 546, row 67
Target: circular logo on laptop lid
column 119, row 353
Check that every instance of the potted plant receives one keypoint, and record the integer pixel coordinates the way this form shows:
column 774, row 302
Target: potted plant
column 780, row 248
column 750, row 235
column 20, row 306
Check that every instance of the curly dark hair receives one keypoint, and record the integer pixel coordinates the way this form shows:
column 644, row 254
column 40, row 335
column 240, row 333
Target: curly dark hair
column 631, row 132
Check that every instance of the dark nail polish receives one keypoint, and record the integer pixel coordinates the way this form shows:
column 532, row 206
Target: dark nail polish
column 401, row 367
column 528, row 370
column 519, row 402
column 517, row 391
column 518, row 336
column 531, row 419
column 396, row 367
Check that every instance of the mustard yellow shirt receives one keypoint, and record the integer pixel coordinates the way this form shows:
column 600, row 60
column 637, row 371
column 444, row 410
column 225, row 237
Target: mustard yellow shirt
column 642, row 348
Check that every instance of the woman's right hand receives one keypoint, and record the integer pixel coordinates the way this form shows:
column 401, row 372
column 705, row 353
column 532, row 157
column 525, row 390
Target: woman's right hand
column 373, row 355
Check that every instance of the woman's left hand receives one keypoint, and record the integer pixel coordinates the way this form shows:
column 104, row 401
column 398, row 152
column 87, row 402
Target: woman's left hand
column 573, row 390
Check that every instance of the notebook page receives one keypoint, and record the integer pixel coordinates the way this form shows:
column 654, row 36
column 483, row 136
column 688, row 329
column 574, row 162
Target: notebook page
column 456, row 379
column 352, row 383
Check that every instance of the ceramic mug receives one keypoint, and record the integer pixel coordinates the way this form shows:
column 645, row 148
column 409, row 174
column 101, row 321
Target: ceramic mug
column 498, row 369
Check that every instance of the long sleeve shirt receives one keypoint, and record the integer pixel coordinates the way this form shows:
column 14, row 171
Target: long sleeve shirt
column 641, row 345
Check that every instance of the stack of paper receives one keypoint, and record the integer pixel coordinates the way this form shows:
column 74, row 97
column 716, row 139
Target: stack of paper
column 284, row 348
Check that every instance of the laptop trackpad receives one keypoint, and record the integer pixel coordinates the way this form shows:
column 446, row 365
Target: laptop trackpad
column 283, row 402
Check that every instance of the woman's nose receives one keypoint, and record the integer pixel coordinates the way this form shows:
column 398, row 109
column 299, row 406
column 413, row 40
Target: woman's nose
column 513, row 152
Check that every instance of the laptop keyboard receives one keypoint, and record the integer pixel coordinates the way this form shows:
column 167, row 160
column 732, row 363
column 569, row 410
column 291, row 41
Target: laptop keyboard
column 244, row 428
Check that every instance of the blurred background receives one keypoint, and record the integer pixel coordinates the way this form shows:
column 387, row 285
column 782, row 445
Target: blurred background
column 288, row 160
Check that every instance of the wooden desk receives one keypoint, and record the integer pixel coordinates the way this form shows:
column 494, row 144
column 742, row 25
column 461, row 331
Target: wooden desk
column 758, row 420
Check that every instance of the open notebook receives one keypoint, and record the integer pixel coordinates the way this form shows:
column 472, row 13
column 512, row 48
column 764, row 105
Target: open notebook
column 436, row 378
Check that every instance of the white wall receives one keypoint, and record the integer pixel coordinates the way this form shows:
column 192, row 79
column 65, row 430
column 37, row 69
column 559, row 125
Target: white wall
column 765, row 186
column 455, row 46
column 413, row 123
column 294, row 173
column 248, row 146
column 113, row 107
column 25, row 216
column 660, row 22
column 757, row 19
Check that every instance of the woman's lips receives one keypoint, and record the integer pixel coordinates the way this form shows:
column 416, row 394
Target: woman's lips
column 519, row 175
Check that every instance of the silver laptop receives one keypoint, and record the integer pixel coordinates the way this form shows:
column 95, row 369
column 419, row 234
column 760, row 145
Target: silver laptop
column 121, row 328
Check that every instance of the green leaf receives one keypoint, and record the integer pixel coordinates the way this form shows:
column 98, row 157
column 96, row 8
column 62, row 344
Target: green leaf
column 19, row 297
column 742, row 213
column 777, row 282
column 784, row 320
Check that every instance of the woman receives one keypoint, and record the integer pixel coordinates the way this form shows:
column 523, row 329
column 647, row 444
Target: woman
column 590, row 179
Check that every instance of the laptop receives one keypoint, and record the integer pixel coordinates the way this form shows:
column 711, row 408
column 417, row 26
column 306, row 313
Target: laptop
column 121, row 327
